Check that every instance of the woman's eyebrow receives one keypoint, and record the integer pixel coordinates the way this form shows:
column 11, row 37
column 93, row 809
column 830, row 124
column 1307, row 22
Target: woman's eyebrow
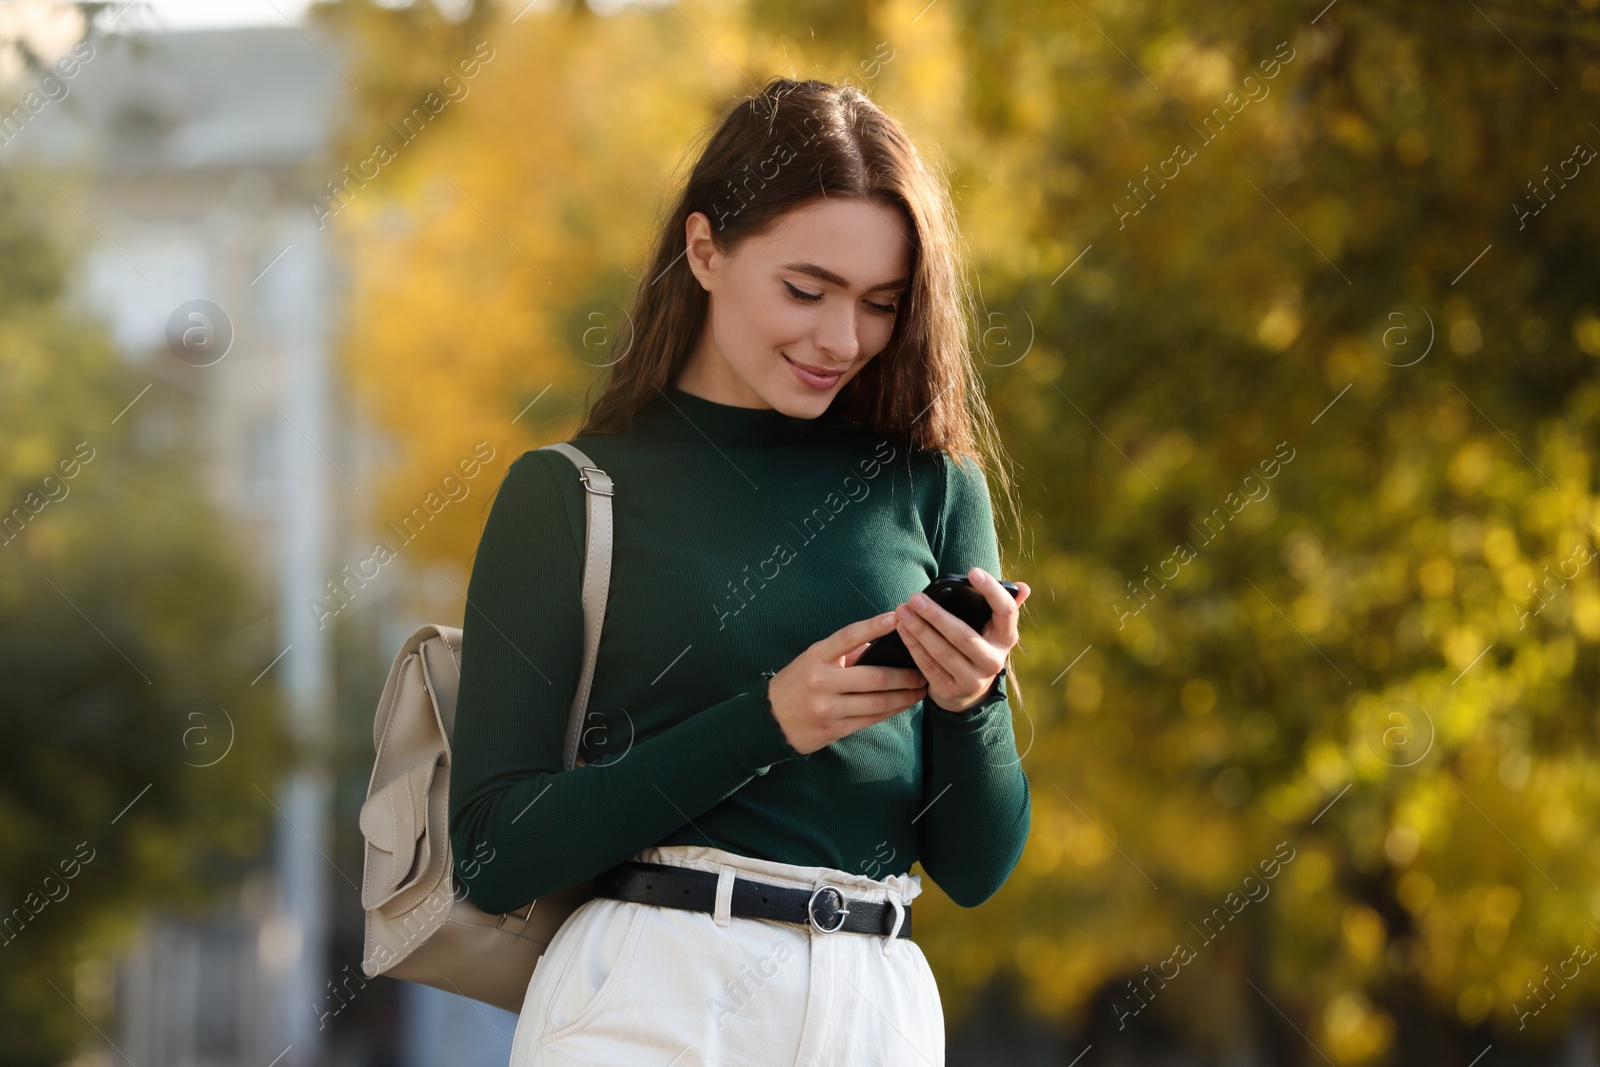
column 833, row 279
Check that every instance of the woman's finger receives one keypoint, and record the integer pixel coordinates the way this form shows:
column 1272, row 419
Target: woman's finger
column 877, row 706
column 1004, row 611
column 930, row 666
column 847, row 639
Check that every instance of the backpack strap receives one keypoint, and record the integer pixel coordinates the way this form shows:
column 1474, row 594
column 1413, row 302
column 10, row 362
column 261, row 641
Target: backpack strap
column 596, row 584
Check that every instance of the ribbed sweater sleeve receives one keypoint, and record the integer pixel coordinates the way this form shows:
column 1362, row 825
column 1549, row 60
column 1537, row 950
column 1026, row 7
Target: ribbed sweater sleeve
column 520, row 824
column 973, row 834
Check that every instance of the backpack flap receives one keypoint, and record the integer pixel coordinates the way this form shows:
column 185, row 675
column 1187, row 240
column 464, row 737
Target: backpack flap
column 404, row 817
column 394, row 821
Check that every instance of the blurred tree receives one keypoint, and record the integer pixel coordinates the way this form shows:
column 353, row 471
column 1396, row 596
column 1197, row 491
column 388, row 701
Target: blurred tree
column 133, row 736
column 1302, row 233
column 1290, row 320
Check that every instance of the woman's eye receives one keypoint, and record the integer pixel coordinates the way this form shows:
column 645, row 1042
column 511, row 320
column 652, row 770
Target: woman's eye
column 811, row 298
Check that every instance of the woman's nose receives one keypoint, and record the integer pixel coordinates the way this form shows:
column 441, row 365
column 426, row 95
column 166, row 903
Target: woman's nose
column 839, row 338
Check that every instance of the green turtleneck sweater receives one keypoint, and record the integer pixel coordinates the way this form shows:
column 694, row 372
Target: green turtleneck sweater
column 743, row 536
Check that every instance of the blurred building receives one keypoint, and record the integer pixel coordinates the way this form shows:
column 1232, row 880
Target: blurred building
column 192, row 158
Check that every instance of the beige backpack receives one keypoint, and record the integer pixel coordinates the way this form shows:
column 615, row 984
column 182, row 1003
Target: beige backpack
column 420, row 926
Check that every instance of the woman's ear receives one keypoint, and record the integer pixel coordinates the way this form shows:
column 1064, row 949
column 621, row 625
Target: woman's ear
column 700, row 250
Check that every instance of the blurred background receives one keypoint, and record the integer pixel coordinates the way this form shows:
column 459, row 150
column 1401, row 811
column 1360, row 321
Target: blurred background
column 1298, row 381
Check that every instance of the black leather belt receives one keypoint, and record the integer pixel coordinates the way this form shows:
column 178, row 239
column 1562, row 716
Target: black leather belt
column 825, row 908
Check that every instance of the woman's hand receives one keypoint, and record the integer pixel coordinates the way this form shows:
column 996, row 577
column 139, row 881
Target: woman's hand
column 820, row 697
column 959, row 663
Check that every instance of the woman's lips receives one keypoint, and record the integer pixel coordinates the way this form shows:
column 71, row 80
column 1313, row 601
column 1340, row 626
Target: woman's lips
column 813, row 378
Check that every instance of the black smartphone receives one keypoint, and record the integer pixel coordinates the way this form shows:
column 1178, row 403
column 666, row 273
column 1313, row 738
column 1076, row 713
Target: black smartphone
column 953, row 593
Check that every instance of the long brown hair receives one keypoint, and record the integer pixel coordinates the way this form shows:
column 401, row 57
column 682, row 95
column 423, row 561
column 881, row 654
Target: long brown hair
column 781, row 148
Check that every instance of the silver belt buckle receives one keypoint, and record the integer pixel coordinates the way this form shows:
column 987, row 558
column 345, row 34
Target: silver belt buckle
column 811, row 908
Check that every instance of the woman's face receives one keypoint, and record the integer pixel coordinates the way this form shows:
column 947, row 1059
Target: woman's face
column 796, row 313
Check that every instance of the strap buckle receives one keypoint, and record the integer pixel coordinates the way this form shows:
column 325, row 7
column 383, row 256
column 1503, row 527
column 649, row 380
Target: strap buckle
column 601, row 486
column 841, row 909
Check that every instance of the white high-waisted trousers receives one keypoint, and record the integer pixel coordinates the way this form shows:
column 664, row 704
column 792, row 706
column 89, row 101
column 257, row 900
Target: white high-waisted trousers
column 624, row 984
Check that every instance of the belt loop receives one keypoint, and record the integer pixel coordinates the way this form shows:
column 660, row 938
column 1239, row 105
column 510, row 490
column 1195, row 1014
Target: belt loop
column 899, row 917
column 723, row 912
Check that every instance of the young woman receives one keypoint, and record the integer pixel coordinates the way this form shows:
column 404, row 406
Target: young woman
column 791, row 436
